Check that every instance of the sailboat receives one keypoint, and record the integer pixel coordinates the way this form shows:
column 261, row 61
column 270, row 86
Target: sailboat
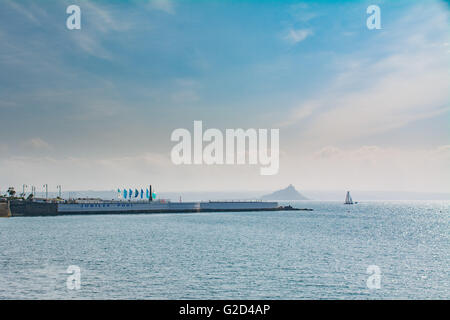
column 348, row 199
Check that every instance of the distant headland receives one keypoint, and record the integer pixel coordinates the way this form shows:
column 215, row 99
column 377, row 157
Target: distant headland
column 288, row 193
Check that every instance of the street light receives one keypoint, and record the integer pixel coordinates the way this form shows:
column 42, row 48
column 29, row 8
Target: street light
column 46, row 190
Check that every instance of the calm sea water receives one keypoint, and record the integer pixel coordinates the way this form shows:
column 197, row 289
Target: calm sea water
column 322, row 254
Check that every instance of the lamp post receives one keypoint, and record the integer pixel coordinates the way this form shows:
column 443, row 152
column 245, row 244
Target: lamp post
column 46, row 191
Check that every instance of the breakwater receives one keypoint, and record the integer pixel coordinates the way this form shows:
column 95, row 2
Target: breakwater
column 5, row 212
column 35, row 208
column 26, row 208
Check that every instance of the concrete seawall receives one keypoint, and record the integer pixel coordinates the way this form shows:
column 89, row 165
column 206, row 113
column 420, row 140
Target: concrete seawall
column 25, row 208
column 4, row 210
column 30, row 208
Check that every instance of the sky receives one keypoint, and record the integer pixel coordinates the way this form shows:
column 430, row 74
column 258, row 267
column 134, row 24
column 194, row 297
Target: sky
column 94, row 108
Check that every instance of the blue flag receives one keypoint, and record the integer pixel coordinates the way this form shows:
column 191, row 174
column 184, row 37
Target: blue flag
column 130, row 193
column 154, row 195
column 147, row 194
column 124, row 193
column 136, row 193
column 142, row 194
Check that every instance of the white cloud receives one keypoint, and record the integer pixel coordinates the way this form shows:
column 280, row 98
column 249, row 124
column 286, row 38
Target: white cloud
column 105, row 18
column 296, row 36
column 91, row 44
column 162, row 5
column 85, row 172
column 371, row 167
column 328, row 152
column 37, row 144
column 33, row 13
column 371, row 96
column 367, row 167
column 299, row 114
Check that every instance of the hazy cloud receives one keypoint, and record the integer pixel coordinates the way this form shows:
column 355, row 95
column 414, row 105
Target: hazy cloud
column 31, row 12
column 163, row 5
column 372, row 167
column 37, row 144
column 296, row 36
column 337, row 101
column 372, row 96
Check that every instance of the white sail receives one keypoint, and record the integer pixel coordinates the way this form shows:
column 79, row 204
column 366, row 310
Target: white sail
column 348, row 198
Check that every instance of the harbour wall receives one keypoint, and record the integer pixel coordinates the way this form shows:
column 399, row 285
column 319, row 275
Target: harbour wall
column 126, row 207
column 31, row 208
column 5, row 212
column 25, row 208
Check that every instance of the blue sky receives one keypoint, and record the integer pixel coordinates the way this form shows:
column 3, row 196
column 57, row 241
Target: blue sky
column 95, row 107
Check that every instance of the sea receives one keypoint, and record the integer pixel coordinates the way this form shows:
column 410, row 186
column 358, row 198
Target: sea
column 370, row 250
